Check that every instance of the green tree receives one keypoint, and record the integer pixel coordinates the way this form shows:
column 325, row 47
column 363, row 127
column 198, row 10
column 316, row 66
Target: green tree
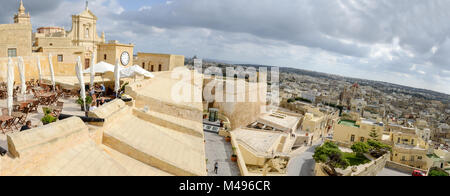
column 330, row 154
column 378, row 149
column 435, row 171
column 360, row 148
column 373, row 134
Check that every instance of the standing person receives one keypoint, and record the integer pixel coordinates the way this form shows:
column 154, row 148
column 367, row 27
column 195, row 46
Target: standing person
column 216, row 167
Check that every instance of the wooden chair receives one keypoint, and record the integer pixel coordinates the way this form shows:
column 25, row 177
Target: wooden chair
column 9, row 124
column 34, row 106
column 1, row 127
column 24, row 117
column 59, row 108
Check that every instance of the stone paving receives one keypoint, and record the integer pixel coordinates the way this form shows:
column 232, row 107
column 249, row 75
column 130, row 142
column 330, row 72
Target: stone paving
column 392, row 172
column 220, row 151
column 302, row 164
column 70, row 108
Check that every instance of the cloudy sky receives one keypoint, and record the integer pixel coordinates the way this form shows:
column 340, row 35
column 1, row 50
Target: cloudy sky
column 403, row 41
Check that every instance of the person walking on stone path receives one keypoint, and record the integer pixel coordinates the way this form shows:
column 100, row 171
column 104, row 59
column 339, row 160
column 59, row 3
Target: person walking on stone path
column 216, row 167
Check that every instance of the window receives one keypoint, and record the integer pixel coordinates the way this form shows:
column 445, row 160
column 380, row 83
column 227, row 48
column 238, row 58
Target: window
column 403, row 158
column 412, row 158
column 160, row 67
column 419, row 158
column 51, row 44
column 104, row 57
column 143, row 65
column 87, row 33
column 60, row 58
column 151, row 69
column 362, row 139
column 352, row 138
column 412, row 142
column 398, row 141
column 12, row 52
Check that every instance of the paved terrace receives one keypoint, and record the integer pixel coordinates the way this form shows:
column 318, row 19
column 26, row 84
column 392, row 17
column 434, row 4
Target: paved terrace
column 70, row 108
column 220, row 151
column 131, row 141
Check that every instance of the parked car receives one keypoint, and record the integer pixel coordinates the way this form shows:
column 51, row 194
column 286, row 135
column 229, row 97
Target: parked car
column 418, row 173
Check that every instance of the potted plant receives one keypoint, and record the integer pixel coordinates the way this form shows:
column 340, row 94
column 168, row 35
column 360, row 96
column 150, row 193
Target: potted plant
column 88, row 102
column 48, row 117
column 234, row 156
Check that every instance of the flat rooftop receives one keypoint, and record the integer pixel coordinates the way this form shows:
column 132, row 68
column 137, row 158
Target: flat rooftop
column 348, row 123
column 160, row 88
column 260, row 141
column 279, row 120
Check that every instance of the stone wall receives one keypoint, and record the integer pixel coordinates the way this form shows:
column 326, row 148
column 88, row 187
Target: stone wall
column 162, row 106
column 31, row 70
column 373, row 168
column 168, row 62
column 240, row 160
column 402, row 168
column 16, row 36
column 28, row 149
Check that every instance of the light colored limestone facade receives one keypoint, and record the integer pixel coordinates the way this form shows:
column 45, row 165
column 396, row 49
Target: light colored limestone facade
column 409, row 148
column 112, row 51
column 349, row 132
column 82, row 40
column 15, row 39
column 159, row 62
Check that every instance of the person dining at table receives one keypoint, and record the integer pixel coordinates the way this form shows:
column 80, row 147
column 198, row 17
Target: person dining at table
column 103, row 90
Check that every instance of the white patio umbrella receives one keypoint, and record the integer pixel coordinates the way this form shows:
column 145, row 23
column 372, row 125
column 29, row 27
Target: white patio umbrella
column 92, row 69
column 79, row 70
column 10, row 85
column 52, row 73
column 23, row 88
column 117, row 78
column 39, row 68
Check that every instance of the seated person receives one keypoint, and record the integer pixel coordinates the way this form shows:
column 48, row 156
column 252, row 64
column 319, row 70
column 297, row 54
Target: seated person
column 27, row 126
column 91, row 92
column 103, row 89
column 100, row 101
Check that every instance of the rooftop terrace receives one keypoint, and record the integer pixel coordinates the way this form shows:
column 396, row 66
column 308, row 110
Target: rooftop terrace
column 348, row 123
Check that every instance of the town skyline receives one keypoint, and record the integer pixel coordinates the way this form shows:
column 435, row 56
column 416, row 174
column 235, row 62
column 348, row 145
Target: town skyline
column 378, row 49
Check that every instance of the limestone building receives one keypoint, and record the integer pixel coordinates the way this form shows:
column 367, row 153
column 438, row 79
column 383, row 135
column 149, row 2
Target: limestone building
column 159, row 62
column 82, row 40
column 113, row 50
column 349, row 132
column 15, row 39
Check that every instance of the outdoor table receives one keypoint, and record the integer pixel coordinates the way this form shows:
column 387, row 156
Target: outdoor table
column 23, row 104
column 5, row 118
column 47, row 94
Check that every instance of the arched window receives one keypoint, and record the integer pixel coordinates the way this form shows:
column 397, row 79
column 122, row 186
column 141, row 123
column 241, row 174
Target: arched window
column 143, row 65
column 104, row 57
column 87, row 33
